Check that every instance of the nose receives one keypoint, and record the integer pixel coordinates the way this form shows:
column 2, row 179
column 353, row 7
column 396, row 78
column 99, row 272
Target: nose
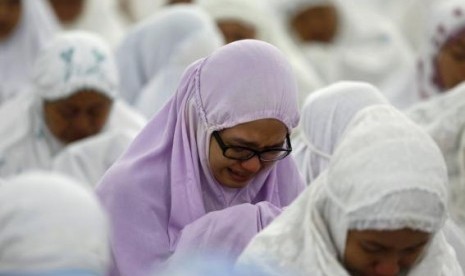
column 82, row 125
column 252, row 165
column 388, row 267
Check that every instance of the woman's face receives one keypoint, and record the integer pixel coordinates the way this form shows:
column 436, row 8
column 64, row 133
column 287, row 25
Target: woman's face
column 450, row 63
column 318, row 24
column 80, row 115
column 10, row 15
column 234, row 30
column 67, row 11
column 383, row 253
column 256, row 135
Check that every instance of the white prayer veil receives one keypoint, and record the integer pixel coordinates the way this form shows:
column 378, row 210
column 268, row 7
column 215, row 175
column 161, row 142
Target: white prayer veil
column 89, row 159
column 100, row 17
column 18, row 52
column 154, row 44
column 444, row 119
column 386, row 174
column 375, row 53
column 264, row 19
column 51, row 224
column 324, row 118
column 72, row 62
column 178, row 36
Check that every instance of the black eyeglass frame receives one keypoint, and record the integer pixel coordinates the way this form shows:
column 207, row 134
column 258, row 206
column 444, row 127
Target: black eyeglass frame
column 258, row 153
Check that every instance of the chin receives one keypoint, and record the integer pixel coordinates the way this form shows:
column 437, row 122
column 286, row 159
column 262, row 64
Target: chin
column 234, row 184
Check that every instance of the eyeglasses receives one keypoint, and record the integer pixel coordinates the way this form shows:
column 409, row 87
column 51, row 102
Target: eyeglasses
column 244, row 153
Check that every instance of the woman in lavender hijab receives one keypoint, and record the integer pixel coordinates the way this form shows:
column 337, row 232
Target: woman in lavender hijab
column 209, row 170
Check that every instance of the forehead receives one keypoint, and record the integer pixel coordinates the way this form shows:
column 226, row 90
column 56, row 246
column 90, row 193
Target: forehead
column 262, row 125
column 396, row 239
column 259, row 133
column 87, row 96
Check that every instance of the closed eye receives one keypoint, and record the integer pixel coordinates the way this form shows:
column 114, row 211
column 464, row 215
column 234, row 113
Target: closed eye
column 373, row 248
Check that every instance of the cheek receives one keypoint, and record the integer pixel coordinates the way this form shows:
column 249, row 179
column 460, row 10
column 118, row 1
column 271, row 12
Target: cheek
column 356, row 259
column 55, row 123
column 217, row 162
column 214, row 157
column 100, row 121
column 409, row 260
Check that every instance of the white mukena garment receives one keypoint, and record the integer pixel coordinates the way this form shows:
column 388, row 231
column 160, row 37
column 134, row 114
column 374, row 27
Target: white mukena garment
column 51, row 225
column 153, row 55
column 324, row 118
column 18, row 52
column 72, row 62
column 443, row 117
column 386, row 174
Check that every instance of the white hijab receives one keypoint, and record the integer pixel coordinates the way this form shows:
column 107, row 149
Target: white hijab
column 159, row 41
column 156, row 52
column 100, row 17
column 51, row 224
column 410, row 16
column 139, row 10
column 18, row 52
column 258, row 14
column 324, row 118
column 375, row 53
column 360, row 191
column 444, row 119
column 89, row 159
column 73, row 61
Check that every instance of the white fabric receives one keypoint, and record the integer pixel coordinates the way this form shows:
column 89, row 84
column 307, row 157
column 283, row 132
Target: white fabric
column 444, row 119
column 410, row 16
column 324, row 118
column 18, row 52
column 360, row 191
column 375, row 53
column 259, row 15
column 141, row 9
column 74, row 61
column 159, row 44
column 26, row 142
column 163, row 46
column 456, row 237
column 51, row 223
column 100, row 17
column 446, row 18
column 89, row 159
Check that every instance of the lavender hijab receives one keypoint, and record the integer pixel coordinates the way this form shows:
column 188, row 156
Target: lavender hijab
column 161, row 195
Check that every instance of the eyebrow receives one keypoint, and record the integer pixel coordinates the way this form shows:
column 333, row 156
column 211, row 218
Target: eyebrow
column 374, row 244
column 420, row 244
column 242, row 142
column 384, row 247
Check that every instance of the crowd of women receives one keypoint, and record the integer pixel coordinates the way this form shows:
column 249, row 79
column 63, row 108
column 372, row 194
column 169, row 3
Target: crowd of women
column 232, row 137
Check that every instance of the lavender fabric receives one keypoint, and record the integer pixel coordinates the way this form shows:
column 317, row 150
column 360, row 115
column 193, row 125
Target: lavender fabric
column 162, row 190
